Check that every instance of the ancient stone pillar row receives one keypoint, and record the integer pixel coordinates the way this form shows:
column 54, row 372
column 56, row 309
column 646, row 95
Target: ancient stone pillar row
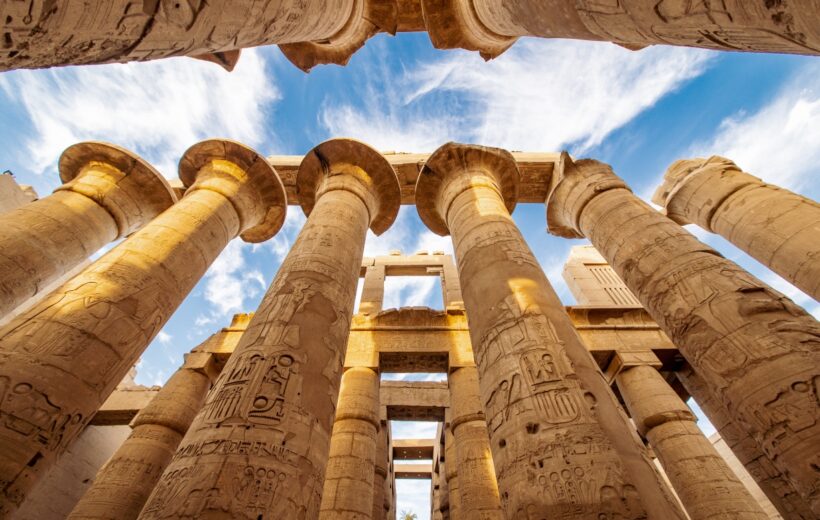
column 706, row 485
column 60, row 360
column 756, row 350
column 108, row 193
column 492, row 26
column 771, row 480
column 560, row 442
column 260, row 444
column 122, row 486
column 348, row 487
column 776, row 226
column 381, row 502
column 451, row 471
column 477, row 483
column 444, row 486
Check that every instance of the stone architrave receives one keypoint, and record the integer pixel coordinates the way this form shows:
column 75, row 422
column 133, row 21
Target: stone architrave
column 260, row 444
column 60, row 360
column 492, row 26
column 348, row 487
column 755, row 349
column 451, row 472
column 771, row 481
column 555, row 427
column 122, row 486
column 381, row 503
column 477, row 483
column 706, row 485
column 108, row 193
column 779, row 228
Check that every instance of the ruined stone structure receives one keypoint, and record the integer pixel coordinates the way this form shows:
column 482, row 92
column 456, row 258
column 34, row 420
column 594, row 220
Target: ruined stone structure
column 547, row 411
column 37, row 33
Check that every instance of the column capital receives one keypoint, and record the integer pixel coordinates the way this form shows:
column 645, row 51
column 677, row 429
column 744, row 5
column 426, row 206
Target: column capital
column 683, row 179
column 120, row 181
column 455, row 24
column 572, row 186
column 367, row 18
column 454, row 168
column 242, row 176
column 367, row 173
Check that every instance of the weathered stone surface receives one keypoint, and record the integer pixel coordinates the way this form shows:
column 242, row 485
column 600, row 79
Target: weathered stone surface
column 776, row 226
column 260, row 443
column 554, row 424
column 381, row 502
column 351, row 465
column 706, row 486
column 477, row 482
column 451, row 471
column 60, row 360
column 755, row 349
column 108, row 193
column 13, row 195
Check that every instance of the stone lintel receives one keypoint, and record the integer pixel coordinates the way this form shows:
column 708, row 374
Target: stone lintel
column 413, row 449
column 414, row 400
column 122, row 405
column 536, row 171
column 413, row 471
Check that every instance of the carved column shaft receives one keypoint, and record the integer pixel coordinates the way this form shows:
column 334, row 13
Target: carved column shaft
column 477, row 483
column 772, row 482
column 381, row 502
column 757, row 351
column 108, row 193
column 60, row 360
column 122, row 486
column 348, row 487
column 776, row 226
column 554, row 424
column 700, row 476
column 260, row 443
column 451, row 471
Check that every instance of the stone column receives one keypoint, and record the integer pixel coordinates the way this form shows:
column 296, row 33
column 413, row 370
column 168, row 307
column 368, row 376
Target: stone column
column 380, row 499
column 777, row 227
column 45, row 35
column 704, row 482
column 122, row 486
column 477, row 483
column 60, row 360
column 108, row 193
column 492, row 26
column 372, row 290
column 755, row 349
column 771, row 481
column 348, row 486
column 260, row 444
column 451, row 471
column 561, row 444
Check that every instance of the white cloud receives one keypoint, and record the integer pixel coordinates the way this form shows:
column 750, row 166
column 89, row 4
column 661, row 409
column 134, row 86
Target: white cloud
column 780, row 142
column 227, row 282
column 164, row 337
column 157, row 109
column 413, row 496
column 540, row 95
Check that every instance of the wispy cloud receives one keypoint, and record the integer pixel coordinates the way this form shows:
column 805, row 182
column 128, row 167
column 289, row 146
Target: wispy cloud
column 228, row 282
column 157, row 109
column 540, row 95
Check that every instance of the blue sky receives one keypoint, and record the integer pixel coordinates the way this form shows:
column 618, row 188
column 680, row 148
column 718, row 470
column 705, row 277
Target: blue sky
column 638, row 111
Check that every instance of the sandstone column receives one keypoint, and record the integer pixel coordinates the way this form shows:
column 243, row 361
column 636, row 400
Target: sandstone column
column 492, row 26
column 122, row 486
column 380, row 499
column 60, row 360
column 259, row 446
column 348, row 487
column 477, row 483
column 561, row 444
column 777, row 227
column 772, row 482
column 451, row 471
column 757, row 351
column 108, row 193
column 700, row 476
